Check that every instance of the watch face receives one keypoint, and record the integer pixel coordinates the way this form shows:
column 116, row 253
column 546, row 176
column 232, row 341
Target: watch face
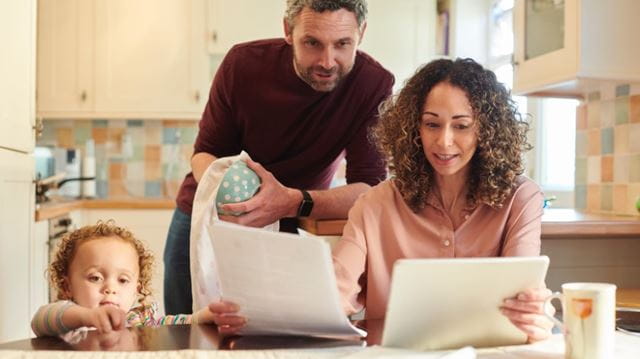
column 306, row 205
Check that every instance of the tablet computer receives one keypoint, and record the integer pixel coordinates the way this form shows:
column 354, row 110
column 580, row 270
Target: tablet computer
column 454, row 302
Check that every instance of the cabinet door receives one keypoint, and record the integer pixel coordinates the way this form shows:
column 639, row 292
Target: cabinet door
column 65, row 56
column 16, row 219
column 39, row 261
column 546, row 43
column 231, row 22
column 17, row 74
column 412, row 41
column 151, row 57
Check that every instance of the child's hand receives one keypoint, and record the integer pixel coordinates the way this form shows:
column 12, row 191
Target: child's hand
column 105, row 318
column 224, row 315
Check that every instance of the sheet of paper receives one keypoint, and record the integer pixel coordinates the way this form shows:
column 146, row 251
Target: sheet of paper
column 283, row 283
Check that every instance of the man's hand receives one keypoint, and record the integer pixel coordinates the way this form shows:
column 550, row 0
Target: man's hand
column 104, row 318
column 272, row 202
column 224, row 314
column 526, row 311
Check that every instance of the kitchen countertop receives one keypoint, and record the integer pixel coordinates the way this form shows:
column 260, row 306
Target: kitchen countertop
column 59, row 207
column 556, row 223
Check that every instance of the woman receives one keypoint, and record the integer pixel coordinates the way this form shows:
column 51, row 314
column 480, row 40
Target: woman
column 454, row 141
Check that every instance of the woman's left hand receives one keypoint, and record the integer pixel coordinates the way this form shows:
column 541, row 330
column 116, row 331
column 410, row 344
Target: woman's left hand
column 526, row 311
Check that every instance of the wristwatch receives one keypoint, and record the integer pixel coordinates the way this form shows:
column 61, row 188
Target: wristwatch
column 306, row 205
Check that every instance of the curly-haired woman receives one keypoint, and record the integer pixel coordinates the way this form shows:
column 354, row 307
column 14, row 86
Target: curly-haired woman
column 102, row 276
column 454, row 141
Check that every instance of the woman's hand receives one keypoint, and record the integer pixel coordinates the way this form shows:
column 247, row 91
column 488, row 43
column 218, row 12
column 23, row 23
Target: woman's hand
column 224, row 315
column 526, row 311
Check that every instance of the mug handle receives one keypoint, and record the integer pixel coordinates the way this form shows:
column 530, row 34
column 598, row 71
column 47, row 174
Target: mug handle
column 548, row 307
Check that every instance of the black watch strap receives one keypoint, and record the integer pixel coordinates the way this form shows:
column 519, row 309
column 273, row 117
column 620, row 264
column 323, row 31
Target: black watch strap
column 306, row 205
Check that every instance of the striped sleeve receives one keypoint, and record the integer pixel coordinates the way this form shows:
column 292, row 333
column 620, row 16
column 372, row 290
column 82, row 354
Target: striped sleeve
column 146, row 315
column 174, row 319
column 48, row 319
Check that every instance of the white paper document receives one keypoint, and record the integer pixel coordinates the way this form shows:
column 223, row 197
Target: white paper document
column 283, row 283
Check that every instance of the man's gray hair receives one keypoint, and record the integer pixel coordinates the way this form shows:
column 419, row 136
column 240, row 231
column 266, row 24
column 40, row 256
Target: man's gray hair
column 357, row 7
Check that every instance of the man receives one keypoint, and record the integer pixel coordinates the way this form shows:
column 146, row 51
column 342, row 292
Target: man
column 297, row 106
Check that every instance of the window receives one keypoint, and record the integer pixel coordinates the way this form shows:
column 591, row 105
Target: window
column 557, row 138
column 552, row 161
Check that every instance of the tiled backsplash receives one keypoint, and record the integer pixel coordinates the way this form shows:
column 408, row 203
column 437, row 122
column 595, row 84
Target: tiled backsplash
column 143, row 158
column 151, row 157
column 608, row 151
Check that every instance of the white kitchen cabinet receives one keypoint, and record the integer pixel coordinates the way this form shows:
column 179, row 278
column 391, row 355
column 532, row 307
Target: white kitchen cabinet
column 568, row 47
column 17, row 109
column 65, row 57
column 17, row 75
column 410, row 43
column 122, row 59
column 16, row 221
column 230, row 22
column 400, row 35
column 149, row 225
column 609, row 260
column 39, row 262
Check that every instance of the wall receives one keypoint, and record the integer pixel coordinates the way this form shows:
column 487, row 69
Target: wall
column 608, row 151
column 469, row 28
column 142, row 158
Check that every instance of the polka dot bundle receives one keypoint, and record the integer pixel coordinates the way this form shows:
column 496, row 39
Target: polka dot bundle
column 238, row 184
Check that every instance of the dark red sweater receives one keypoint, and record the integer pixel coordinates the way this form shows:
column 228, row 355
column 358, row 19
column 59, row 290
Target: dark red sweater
column 258, row 104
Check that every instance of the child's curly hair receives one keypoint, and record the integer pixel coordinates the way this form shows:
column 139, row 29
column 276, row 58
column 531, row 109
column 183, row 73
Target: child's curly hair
column 59, row 268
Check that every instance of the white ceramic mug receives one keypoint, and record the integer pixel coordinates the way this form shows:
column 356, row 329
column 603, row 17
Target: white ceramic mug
column 589, row 317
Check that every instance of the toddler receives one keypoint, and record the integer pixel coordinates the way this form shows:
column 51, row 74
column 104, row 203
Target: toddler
column 102, row 275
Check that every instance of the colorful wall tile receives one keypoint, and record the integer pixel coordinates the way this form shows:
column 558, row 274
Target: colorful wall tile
column 608, row 151
column 139, row 158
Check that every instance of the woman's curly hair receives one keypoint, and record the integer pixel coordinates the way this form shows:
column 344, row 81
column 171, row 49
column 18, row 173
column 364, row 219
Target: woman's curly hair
column 500, row 128
column 68, row 246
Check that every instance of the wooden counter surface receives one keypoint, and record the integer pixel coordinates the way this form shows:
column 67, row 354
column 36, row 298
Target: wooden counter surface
column 568, row 223
column 57, row 208
column 556, row 223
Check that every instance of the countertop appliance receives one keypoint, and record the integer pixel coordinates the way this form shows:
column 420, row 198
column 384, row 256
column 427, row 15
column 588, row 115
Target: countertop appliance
column 58, row 166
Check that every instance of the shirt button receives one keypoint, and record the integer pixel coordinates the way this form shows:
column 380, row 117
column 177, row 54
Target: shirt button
column 446, row 243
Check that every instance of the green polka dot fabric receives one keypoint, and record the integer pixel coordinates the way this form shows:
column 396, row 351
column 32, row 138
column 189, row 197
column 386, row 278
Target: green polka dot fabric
column 239, row 184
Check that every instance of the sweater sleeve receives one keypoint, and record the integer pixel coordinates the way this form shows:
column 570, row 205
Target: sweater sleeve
column 524, row 225
column 364, row 161
column 349, row 259
column 218, row 134
column 48, row 319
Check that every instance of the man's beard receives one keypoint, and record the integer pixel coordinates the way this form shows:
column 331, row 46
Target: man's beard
column 307, row 75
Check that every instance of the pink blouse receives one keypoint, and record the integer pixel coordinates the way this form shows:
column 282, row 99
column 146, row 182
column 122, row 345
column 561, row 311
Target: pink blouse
column 382, row 229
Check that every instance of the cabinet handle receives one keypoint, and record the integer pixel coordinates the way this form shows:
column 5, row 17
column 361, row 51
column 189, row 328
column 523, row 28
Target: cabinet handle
column 214, row 36
column 197, row 96
column 38, row 127
column 83, row 96
column 513, row 61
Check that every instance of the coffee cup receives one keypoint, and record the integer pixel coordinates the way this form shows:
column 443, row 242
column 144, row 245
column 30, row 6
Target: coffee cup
column 588, row 319
column 238, row 184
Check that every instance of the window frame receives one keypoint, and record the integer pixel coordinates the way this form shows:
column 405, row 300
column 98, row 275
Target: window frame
column 535, row 169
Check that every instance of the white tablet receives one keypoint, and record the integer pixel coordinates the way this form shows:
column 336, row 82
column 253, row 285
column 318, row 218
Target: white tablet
column 454, row 302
